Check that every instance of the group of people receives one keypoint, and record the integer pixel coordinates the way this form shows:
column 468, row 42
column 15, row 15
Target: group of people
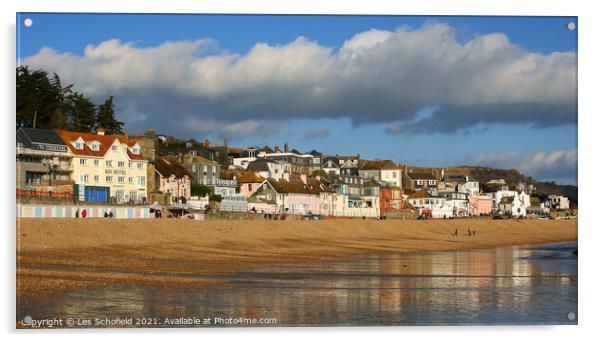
column 84, row 213
column 469, row 232
column 275, row 216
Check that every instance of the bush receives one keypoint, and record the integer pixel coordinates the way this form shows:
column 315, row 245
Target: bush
column 216, row 198
column 319, row 172
column 199, row 190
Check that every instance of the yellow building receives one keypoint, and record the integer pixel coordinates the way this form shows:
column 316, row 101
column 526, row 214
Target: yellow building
column 106, row 168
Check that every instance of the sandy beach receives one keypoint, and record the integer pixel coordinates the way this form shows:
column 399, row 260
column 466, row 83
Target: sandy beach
column 55, row 255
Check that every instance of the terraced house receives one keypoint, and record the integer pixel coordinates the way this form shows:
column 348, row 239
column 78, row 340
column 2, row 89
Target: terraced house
column 106, row 168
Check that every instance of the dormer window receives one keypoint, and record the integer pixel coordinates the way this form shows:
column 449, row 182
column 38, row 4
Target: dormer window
column 114, row 148
column 136, row 150
column 95, row 146
column 79, row 145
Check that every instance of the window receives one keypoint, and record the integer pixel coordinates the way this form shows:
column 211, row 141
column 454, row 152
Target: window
column 133, row 196
column 250, row 187
column 136, row 150
column 83, row 178
column 130, row 180
column 121, row 164
column 139, row 165
column 82, row 161
column 79, row 145
column 193, row 168
column 109, row 179
column 394, row 174
column 95, row 147
column 121, row 179
column 141, row 180
column 130, row 165
column 204, row 168
column 109, row 163
column 96, row 162
column 95, row 178
column 114, row 148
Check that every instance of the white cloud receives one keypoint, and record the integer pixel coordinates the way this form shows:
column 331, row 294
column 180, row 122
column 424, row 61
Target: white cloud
column 375, row 76
column 561, row 164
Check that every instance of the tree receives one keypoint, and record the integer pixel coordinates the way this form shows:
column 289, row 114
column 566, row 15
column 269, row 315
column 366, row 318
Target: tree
column 36, row 98
column 199, row 190
column 216, row 198
column 82, row 114
column 319, row 172
column 62, row 102
column 106, row 118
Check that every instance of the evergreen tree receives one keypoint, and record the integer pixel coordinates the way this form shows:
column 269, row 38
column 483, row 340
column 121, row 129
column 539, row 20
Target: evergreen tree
column 106, row 118
column 62, row 101
column 82, row 113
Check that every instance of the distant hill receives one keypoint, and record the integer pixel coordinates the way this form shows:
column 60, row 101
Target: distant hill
column 513, row 177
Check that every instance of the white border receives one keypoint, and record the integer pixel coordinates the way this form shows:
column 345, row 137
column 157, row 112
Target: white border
column 589, row 143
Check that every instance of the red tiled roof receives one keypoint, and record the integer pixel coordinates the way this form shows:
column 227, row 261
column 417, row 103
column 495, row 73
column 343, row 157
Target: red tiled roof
column 106, row 141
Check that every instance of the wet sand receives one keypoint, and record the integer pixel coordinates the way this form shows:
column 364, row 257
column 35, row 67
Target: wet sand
column 57, row 255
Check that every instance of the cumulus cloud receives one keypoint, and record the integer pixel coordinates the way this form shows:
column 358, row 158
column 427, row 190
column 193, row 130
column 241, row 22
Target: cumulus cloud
column 317, row 133
column 375, row 76
column 561, row 164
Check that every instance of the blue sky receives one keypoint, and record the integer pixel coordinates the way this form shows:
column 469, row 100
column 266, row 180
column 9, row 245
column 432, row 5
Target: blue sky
column 520, row 127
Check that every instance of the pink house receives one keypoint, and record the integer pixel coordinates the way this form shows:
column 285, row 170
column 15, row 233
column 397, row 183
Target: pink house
column 172, row 178
column 249, row 183
column 299, row 196
column 479, row 205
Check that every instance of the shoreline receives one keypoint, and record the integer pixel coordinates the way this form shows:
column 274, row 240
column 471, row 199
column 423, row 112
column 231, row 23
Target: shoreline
column 58, row 255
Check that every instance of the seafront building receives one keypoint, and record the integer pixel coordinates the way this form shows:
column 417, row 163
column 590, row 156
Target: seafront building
column 43, row 159
column 173, row 180
column 154, row 168
column 106, row 168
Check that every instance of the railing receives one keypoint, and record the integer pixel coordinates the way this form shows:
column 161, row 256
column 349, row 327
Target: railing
column 44, row 194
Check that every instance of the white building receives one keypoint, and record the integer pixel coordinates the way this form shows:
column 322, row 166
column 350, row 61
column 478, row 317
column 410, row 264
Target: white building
column 510, row 202
column 558, row 202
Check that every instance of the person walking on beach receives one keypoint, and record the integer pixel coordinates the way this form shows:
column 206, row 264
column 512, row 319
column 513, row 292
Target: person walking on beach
column 455, row 233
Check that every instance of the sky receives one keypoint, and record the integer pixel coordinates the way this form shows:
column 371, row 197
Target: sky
column 424, row 91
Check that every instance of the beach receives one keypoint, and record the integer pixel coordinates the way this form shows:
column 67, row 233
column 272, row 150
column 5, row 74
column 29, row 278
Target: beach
column 58, row 255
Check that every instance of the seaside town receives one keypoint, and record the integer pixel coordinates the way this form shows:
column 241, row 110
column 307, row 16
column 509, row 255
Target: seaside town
column 64, row 173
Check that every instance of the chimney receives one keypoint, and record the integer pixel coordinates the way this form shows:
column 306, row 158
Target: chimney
column 286, row 147
column 100, row 131
column 276, row 148
column 126, row 136
column 303, row 178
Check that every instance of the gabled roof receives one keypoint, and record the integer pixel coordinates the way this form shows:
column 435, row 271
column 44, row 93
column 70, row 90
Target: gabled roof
column 266, row 149
column 378, row 165
column 420, row 176
column 421, row 194
column 312, row 187
column 250, row 177
column 168, row 166
column 260, row 165
column 106, row 141
column 190, row 159
column 45, row 136
column 349, row 165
